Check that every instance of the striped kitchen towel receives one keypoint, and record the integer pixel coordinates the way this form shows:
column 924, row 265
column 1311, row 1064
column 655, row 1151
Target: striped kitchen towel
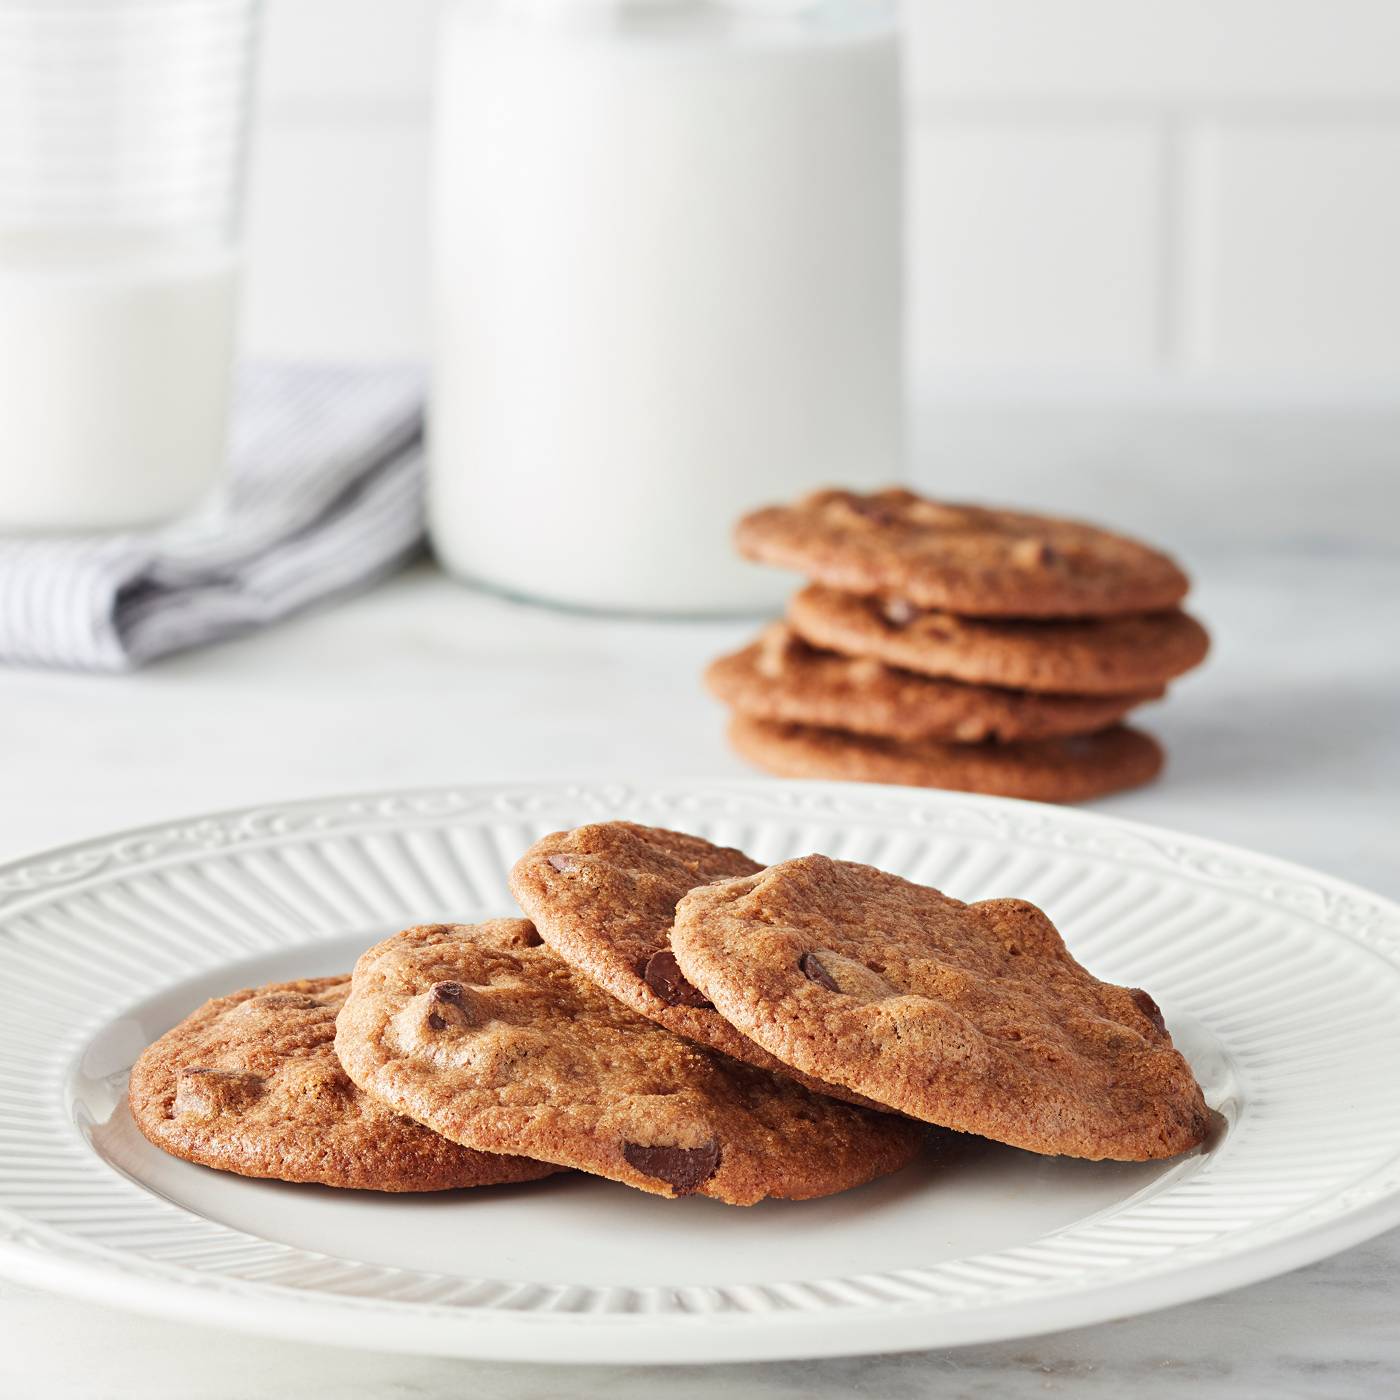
column 324, row 494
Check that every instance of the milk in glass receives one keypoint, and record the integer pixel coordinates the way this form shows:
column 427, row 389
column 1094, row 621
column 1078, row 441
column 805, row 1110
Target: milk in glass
column 115, row 357
column 123, row 132
column 667, row 287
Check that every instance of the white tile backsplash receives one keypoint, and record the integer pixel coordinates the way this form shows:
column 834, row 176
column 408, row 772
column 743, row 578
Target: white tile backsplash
column 337, row 232
column 1163, row 192
column 1296, row 258
column 1187, row 50
column 1033, row 247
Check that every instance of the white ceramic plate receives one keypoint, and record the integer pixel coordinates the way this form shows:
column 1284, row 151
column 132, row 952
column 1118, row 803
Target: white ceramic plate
column 1282, row 986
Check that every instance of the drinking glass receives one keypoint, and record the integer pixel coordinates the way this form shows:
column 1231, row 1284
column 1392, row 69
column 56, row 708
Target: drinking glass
column 123, row 137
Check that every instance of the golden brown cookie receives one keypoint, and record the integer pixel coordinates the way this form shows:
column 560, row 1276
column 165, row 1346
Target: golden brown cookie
column 1042, row 770
column 964, row 559
column 603, row 897
column 250, row 1083
column 974, row 1016
column 781, row 677
column 488, row 1037
column 1101, row 656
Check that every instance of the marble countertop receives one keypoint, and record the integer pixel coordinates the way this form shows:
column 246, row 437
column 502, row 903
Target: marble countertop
column 1288, row 742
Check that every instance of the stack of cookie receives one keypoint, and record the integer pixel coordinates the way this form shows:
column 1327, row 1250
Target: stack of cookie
column 958, row 647
column 679, row 1019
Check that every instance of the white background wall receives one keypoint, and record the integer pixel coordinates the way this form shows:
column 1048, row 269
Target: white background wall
column 1162, row 195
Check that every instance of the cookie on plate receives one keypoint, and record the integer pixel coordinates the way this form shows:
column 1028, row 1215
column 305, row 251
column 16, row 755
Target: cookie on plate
column 484, row 1034
column 973, row 1016
column 781, row 677
column 966, row 559
column 1072, row 769
column 250, row 1083
column 1099, row 656
column 603, row 897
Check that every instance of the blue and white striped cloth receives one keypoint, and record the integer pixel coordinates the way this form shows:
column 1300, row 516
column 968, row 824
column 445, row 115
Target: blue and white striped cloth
column 324, row 494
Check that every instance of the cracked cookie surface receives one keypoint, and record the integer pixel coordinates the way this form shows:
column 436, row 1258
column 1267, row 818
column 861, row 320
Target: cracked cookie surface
column 972, row 1016
column 1113, row 656
column 250, row 1083
column 603, row 897
column 780, row 677
column 975, row 560
column 486, row 1035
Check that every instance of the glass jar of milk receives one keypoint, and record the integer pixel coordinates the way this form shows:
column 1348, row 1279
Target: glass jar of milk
column 667, row 286
column 122, row 134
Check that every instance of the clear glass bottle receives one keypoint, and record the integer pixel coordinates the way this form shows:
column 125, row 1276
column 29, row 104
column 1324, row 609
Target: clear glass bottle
column 667, row 286
column 123, row 126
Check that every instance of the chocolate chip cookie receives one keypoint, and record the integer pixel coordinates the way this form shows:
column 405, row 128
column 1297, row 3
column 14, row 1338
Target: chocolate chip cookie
column 1102, row 656
column 964, row 559
column 781, row 677
column 484, row 1034
column 973, row 1016
column 1042, row 770
column 250, row 1084
column 603, row 897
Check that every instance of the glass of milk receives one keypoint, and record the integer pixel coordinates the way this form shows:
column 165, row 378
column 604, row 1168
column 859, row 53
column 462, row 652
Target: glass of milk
column 667, row 287
column 123, row 126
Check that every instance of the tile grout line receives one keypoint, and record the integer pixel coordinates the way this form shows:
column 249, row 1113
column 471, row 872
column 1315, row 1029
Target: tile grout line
column 1173, row 244
column 1015, row 108
column 1193, row 225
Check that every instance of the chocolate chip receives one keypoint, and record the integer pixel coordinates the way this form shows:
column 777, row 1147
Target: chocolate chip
column 1149, row 1008
column 561, row 862
column 446, row 995
column 662, row 973
column 1032, row 554
column 898, row 613
column 876, row 512
column 810, row 966
column 686, row 1169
